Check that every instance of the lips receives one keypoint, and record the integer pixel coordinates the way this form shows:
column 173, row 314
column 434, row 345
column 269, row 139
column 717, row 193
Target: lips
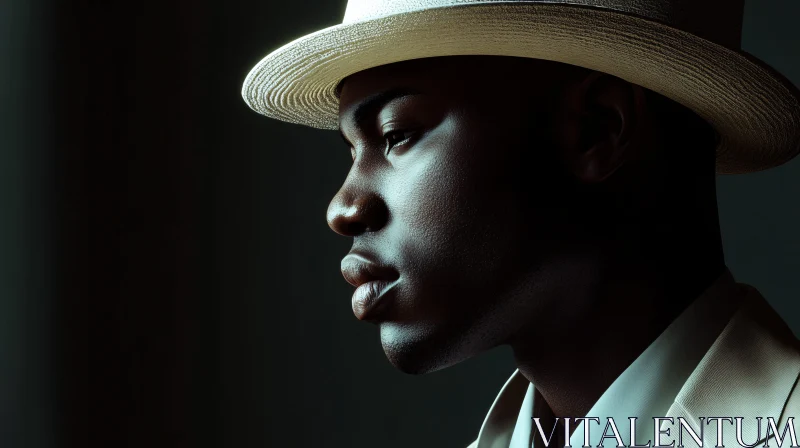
column 371, row 279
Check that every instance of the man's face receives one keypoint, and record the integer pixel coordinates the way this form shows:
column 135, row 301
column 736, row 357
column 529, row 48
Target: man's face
column 456, row 205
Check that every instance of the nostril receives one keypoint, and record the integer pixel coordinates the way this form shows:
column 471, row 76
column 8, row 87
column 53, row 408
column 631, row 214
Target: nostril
column 347, row 224
column 355, row 228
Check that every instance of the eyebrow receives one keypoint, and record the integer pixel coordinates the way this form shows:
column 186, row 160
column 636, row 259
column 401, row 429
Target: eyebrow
column 375, row 102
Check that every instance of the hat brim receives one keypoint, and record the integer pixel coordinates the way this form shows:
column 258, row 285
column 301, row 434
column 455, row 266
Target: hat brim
column 755, row 110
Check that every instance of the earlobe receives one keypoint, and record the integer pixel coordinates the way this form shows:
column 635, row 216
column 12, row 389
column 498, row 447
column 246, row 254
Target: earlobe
column 600, row 125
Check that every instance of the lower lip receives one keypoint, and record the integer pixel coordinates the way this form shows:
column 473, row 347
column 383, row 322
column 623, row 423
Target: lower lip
column 367, row 297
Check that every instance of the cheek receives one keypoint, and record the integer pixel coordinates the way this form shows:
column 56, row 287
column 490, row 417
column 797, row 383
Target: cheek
column 456, row 215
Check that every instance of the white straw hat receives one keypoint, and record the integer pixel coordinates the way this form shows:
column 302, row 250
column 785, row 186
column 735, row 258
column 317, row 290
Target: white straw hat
column 687, row 50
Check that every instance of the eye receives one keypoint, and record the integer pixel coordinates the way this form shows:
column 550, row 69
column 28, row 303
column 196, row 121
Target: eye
column 395, row 138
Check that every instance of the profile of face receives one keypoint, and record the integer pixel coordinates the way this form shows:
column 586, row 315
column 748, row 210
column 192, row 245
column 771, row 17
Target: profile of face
column 463, row 202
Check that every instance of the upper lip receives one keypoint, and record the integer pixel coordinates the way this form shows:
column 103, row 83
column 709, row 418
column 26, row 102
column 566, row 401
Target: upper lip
column 359, row 268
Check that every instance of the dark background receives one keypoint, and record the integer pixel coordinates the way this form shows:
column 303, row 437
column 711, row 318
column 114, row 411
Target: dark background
column 167, row 277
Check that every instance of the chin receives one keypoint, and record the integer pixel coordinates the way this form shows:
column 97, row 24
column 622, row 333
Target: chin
column 416, row 350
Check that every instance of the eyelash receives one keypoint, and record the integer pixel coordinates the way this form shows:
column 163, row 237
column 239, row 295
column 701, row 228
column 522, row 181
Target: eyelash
column 388, row 138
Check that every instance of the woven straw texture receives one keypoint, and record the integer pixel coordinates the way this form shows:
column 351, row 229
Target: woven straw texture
column 755, row 110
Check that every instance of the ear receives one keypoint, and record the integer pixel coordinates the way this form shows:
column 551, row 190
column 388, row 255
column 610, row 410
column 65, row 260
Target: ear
column 600, row 125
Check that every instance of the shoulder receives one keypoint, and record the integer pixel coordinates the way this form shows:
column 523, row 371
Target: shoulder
column 753, row 365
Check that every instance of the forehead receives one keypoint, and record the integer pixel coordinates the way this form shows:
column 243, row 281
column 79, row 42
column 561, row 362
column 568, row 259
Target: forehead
column 434, row 75
column 479, row 78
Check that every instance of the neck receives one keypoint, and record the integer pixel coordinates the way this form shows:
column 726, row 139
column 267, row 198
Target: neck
column 630, row 298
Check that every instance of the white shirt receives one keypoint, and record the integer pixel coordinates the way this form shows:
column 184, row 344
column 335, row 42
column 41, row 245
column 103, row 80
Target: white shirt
column 646, row 389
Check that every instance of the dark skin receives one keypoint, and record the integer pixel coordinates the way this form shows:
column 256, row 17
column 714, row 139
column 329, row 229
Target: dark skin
column 566, row 213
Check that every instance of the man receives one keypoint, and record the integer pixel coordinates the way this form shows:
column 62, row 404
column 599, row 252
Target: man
column 542, row 175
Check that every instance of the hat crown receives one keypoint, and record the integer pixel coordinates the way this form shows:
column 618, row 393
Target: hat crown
column 719, row 21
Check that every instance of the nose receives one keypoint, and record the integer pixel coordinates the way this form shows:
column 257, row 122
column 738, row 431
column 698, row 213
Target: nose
column 352, row 213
